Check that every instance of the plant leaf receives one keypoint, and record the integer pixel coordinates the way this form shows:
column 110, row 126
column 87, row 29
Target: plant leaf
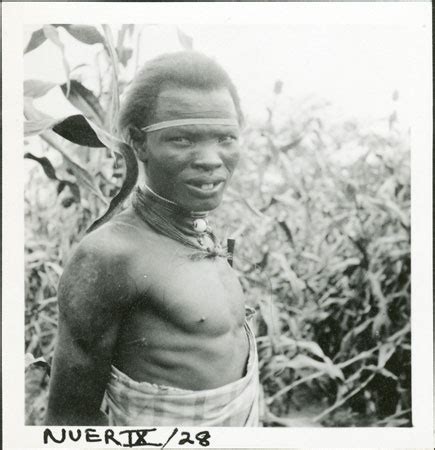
column 34, row 127
column 29, row 360
column 52, row 34
column 287, row 147
column 312, row 347
column 84, row 33
column 130, row 28
column 37, row 121
column 341, row 266
column 60, row 187
column 108, row 140
column 45, row 163
column 124, row 55
column 270, row 316
column 83, row 177
column 114, row 104
column 129, row 183
column 297, row 285
column 82, row 131
column 277, row 89
column 125, row 29
column 185, row 40
column 386, row 373
column 31, row 113
column 305, row 362
column 129, row 156
column 84, row 100
column 385, row 352
column 37, row 88
column 76, row 129
column 38, row 37
column 50, row 171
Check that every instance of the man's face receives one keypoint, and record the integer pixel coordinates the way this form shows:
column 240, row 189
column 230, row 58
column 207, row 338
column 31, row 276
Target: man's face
column 192, row 164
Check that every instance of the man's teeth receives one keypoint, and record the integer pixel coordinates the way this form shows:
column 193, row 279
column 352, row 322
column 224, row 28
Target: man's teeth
column 207, row 187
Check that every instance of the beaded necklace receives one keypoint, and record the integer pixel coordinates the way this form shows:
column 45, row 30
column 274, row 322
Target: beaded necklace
column 187, row 227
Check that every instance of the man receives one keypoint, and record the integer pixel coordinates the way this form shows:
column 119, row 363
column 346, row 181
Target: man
column 151, row 315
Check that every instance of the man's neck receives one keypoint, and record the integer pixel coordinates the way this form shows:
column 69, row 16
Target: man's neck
column 190, row 228
column 171, row 205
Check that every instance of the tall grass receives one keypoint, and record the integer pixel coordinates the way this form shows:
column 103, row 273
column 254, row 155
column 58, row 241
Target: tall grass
column 324, row 255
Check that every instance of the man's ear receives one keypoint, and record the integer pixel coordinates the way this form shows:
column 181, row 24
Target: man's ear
column 139, row 139
column 142, row 151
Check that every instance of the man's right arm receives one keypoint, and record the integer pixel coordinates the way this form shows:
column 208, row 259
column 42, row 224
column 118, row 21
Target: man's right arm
column 93, row 295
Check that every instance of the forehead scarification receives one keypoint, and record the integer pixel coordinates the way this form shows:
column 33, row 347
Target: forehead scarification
column 181, row 103
column 192, row 122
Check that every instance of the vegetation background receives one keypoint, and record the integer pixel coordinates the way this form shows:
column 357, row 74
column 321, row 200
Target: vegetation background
column 319, row 209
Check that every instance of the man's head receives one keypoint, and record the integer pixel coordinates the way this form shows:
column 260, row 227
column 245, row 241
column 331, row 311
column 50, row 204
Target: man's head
column 184, row 69
column 189, row 163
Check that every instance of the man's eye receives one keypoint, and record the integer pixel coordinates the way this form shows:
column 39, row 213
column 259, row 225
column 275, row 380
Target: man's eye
column 227, row 139
column 180, row 140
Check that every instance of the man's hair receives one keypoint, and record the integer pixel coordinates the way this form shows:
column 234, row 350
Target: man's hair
column 184, row 69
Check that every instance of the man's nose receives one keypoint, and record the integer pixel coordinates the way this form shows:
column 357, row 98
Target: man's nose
column 208, row 158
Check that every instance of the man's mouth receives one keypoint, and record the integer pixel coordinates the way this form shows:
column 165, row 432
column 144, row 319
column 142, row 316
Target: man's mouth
column 205, row 187
column 208, row 187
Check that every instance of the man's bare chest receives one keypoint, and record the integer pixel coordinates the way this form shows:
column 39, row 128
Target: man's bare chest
column 195, row 296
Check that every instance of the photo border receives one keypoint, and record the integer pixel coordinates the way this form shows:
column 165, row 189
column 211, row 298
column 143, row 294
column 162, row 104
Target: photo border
column 413, row 15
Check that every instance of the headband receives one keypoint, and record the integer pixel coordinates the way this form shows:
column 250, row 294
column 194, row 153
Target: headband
column 181, row 122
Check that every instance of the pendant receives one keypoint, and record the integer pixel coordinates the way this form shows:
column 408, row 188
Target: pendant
column 206, row 242
column 200, row 225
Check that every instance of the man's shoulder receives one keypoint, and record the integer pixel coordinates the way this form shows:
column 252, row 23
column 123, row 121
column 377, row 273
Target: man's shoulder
column 109, row 249
column 101, row 263
column 116, row 241
column 112, row 240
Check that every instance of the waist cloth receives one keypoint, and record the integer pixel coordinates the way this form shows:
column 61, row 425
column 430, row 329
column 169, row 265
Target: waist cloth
column 129, row 402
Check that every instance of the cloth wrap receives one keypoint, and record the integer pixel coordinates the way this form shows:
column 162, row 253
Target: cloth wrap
column 132, row 403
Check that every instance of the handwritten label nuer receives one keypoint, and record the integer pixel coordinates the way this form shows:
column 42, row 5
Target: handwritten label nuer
column 126, row 438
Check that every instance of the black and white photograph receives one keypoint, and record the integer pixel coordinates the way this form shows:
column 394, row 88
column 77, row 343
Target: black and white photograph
column 215, row 228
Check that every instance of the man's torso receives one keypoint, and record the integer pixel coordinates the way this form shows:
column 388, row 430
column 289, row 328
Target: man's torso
column 186, row 325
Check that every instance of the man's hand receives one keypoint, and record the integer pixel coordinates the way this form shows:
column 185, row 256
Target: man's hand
column 94, row 292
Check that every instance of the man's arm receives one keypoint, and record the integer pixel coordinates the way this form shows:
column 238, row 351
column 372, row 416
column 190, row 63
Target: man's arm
column 93, row 295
